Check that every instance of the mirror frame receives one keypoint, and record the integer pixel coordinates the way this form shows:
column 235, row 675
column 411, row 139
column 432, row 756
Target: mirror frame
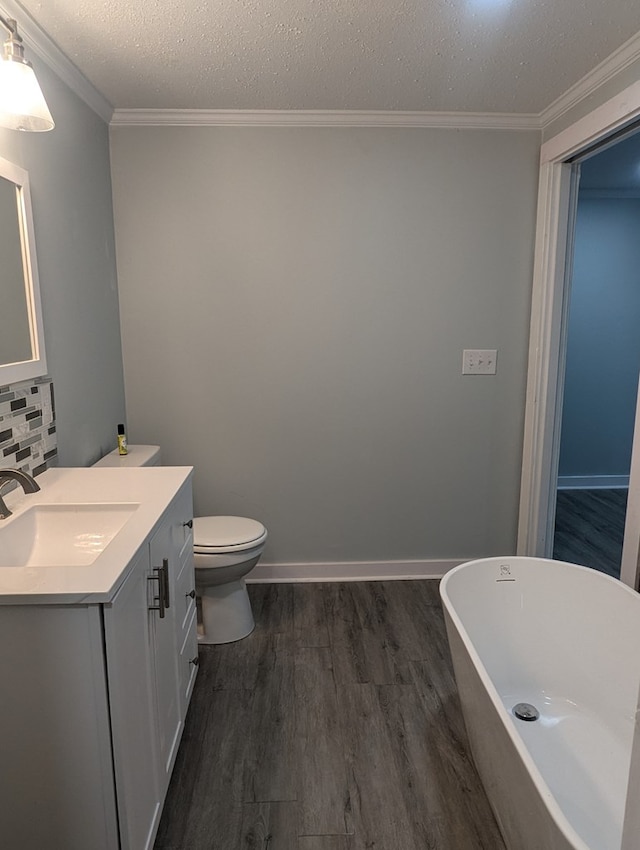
column 10, row 373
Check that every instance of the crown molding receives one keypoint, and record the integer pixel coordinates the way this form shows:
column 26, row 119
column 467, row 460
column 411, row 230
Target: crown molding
column 321, row 118
column 36, row 39
column 616, row 62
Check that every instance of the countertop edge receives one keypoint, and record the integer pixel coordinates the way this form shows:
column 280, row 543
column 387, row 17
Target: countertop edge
column 155, row 488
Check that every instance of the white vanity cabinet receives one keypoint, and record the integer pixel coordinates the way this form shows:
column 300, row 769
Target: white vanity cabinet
column 132, row 702
column 93, row 699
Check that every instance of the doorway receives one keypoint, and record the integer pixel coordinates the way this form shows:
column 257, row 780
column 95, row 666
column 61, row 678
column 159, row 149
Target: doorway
column 602, row 362
column 556, row 210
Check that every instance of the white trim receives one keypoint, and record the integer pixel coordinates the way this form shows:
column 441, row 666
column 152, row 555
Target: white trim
column 539, row 455
column 630, row 566
column 612, row 115
column 321, row 118
column 352, row 571
column 539, row 449
column 608, row 68
column 36, row 39
column 593, row 482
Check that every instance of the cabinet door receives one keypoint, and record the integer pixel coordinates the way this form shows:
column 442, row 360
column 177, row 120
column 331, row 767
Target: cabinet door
column 127, row 623
column 56, row 774
column 164, row 556
column 188, row 663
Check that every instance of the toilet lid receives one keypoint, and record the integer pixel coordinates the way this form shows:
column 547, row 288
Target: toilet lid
column 226, row 533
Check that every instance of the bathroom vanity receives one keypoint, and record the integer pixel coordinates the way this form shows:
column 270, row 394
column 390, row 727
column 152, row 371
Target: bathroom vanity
column 98, row 655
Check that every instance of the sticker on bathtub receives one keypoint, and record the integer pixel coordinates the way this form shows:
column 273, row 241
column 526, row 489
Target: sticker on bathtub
column 504, row 572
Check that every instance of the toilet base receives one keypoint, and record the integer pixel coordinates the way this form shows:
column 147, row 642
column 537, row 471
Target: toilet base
column 226, row 614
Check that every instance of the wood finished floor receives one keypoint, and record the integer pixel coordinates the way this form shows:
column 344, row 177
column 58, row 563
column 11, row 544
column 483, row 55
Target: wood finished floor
column 590, row 528
column 334, row 726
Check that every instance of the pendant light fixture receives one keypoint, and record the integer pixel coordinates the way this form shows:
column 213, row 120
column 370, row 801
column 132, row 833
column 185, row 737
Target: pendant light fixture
column 22, row 104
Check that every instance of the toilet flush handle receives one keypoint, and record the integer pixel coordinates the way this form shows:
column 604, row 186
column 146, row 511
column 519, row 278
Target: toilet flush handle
column 189, row 523
column 191, row 593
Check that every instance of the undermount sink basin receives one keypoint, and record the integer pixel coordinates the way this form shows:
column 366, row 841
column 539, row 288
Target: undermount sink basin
column 61, row 535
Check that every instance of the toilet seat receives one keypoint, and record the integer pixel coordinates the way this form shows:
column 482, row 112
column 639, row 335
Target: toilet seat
column 220, row 534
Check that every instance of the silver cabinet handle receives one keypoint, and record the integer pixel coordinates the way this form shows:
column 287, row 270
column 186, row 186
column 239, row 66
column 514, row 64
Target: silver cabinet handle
column 160, row 598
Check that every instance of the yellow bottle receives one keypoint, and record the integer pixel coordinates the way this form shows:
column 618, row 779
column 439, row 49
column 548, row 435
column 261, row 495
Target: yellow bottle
column 122, row 441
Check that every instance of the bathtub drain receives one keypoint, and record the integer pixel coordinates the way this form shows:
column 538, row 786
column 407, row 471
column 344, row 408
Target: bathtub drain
column 526, row 711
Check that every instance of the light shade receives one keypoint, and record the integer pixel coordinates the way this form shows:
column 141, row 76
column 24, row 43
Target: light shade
column 22, row 104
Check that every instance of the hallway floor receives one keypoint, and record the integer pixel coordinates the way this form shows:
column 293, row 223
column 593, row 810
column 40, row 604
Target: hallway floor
column 590, row 528
column 334, row 726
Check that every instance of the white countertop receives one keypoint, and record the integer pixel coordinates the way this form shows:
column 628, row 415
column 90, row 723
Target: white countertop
column 150, row 488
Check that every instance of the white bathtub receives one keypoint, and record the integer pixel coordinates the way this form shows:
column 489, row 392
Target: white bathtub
column 567, row 640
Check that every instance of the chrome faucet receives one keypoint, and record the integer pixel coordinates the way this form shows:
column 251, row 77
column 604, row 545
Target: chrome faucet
column 28, row 483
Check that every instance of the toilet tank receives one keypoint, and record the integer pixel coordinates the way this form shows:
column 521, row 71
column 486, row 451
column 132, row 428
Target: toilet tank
column 137, row 456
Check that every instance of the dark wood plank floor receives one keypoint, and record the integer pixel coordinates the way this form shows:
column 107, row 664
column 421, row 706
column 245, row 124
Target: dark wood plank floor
column 334, row 726
column 590, row 528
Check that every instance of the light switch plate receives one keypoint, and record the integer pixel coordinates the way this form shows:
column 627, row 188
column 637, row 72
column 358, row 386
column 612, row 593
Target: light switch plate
column 477, row 361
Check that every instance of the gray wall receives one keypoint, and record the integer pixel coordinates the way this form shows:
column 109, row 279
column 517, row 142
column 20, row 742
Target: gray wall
column 603, row 352
column 73, row 219
column 294, row 305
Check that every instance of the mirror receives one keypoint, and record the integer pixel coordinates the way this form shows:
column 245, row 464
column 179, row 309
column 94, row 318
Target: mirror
column 22, row 353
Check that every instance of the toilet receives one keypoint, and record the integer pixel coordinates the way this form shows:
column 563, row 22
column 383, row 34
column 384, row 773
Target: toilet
column 225, row 549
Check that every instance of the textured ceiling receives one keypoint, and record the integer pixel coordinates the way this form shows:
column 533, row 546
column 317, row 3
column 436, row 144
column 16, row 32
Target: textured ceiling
column 422, row 55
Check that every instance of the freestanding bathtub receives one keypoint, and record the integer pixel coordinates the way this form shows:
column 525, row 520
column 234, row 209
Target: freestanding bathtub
column 566, row 640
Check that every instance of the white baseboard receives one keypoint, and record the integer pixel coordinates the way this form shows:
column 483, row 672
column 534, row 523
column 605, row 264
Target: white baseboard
column 592, row 482
column 351, row 571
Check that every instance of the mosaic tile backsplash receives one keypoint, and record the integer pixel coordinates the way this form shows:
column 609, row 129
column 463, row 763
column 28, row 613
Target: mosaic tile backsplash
column 27, row 427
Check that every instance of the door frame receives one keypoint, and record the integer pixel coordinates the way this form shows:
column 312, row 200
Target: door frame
column 548, row 308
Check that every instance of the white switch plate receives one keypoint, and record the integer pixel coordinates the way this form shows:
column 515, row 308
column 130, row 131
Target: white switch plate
column 479, row 361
